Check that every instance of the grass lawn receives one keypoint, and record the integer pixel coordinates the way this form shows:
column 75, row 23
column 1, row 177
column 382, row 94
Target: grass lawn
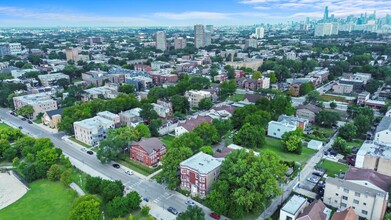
column 355, row 143
column 332, row 98
column 236, row 97
column 167, row 140
column 332, row 168
column 37, row 121
column 137, row 167
column 79, row 142
column 275, row 145
column 45, row 200
column 80, row 178
column 4, row 125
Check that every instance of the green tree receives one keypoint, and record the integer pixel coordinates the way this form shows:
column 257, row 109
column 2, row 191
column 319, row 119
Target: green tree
column 208, row 133
column 256, row 75
column 222, row 126
column 63, row 83
column 246, row 182
column 348, row 131
column 372, row 86
column 192, row 213
column 306, row 88
column 250, row 136
column 148, row 113
column 273, row 77
column 327, row 118
column 86, row 207
column 4, row 145
column 292, row 141
column 93, row 184
column 180, row 104
column 333, row 105
column 207, row 150
column 341, row 146
column 205, row 104
column 362, row 123
column 314, row 98
column 66, row 177
column 154, row 127
column 111, row 189
column 127, row 88
column 48, row 156
column 26, row 111
column 227, row 88
column 143, row 130
column 258, row 118
column 54, row 173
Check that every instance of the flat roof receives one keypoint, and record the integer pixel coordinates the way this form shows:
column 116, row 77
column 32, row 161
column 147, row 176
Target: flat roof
column 201, row 162
column 94, row 122
column 294, row 204
column 373, row 149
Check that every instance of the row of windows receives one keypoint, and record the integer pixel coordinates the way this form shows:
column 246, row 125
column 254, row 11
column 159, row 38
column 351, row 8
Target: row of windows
column 364, row 212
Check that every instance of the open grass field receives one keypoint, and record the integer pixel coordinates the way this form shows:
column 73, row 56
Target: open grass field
column 167, row 140
column 332, row 168
column 275, row 145
column 236, row 97
column 3, row 125
column 355, row 143
column 45, row 200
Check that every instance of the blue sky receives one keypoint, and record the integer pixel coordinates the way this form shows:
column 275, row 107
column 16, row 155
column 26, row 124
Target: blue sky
column 175, row 12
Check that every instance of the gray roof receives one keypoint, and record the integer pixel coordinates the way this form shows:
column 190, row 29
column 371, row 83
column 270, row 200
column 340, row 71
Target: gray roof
column 385, row 124
column 291, row 118
column 377, row 179
column 370, row 148
column 294, row 204
column 55, row 112
column 201, row 162
column 149, row 144
column 354, row 187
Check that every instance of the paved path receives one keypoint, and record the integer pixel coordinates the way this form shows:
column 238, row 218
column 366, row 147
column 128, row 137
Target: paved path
column 77, row 188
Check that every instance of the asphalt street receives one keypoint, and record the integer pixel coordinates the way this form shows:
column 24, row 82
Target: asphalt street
column 157, row 193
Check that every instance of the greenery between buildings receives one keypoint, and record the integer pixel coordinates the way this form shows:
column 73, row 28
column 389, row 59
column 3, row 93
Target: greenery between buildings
column 332, row 168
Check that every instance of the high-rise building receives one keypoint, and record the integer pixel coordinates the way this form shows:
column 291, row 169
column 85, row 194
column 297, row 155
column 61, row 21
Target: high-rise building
column 199, row 37
column 207, row 38
column 161, row 43
column 209, row 28
column 251, row 43
column 259, row 32
column 179, row 43
column 4, row 49
column 72, row 54
column 326, row 29
column 326, row 13
column 95, row 40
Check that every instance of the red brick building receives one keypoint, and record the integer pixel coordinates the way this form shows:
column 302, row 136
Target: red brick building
column 148, row 151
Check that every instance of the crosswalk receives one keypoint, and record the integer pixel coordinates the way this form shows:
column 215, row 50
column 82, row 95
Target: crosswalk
column 165, row 195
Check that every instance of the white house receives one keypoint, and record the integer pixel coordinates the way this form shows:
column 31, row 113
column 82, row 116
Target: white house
column 293, row 208
column 191, row 124
column 162, row 111
column 277, row 129
column 388, row 113
column 315, row 145
column 383, row 131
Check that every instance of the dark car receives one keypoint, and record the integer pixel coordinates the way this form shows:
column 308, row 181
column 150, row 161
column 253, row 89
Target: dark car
column 317, row 174
column 20, row 127
column 90, row 152
column 173, row 210
column 146, row 199
column 214, row 215
column 23, row 119
column 116, row 165
column 29, row 121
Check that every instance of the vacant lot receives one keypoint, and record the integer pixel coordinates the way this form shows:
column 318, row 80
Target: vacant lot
column 332, row 168
column 45, row 200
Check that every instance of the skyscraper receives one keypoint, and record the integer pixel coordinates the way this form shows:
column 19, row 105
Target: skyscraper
column 72, row 54
column 179, row 43
column 199, row 37
column 161, row 43
column 207, row 38
column 259, row 32
column 326, row 13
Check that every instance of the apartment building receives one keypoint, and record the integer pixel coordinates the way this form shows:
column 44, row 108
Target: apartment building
column 109, row 91
column 365, row 190
column 307, row 112
column 195, row 97
column 147, row 151
column 383, row 131
column 72, row 54
column 91, row 131
column 130, row 117
column 41, row 102
column 198, row 173
column 374, row 156
column 51, row 79
column 110, row 116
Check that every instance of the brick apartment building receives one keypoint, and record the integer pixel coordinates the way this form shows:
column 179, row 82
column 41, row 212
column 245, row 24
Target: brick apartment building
column 148, row 151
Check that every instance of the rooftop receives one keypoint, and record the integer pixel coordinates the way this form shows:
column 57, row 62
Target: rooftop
column 385, row 124
column 291, row 118
column 107, row 114
column 370, row 148
column 347, row 214
column 202, row 163
column 34, row 98
column 132, row 112
column 379, row 180
column 315, row 211
column 149, row 144
column 294, row 204
column 94, row 122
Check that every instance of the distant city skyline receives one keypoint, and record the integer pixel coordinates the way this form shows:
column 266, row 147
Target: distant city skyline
column 47, row 13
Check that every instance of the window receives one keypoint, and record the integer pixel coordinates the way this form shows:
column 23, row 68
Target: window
column 355, row 201
column 344, row 197
column 357, row 194
column 365, row 203
column 343, row 205
column 345, row 190
column 336, row 194
column 364, row 212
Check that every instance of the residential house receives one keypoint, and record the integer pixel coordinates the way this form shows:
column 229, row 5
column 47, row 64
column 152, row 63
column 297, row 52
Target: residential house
column 363, row 97
column 191, row 124
column 253, row 98
column 321, row 73
column 51, row 79
column 162, row 111
column 276, row 129
column 388, row 113
column 308, row 112
column 383, row 131
column 292, row 209
column 363, row 189
column 130, row 117
column 147, row 151
column 347, row 214
column 198, row 173
column 52, row 118
column 315, row 211
column 300, row 122
column 109, row 91
column 91, row 131
column 110, row 116
column 41, row 102
column 195, row 97
column 315, row 145
column 374, row 156
column 295, row 88
column 167, row 103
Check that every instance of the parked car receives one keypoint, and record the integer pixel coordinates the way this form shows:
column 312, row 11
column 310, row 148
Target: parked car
column 20, row 127
column 317, row 174
column 173, row 210
column 190, row 203
column 129, row 172
column 312, row 180
column 83, row 149
column 146, row 199
column 29, row 121
column 116, row 165
column 214, row 215
column 90, row 152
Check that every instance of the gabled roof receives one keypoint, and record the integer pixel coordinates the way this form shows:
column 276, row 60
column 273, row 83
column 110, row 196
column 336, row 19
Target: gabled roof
column 379, row 180
column 189, row 125
column 385, row 124
column 347, row 214
column 313, row 108
column 252, row 97
column 315, row 211
column 149, row 144
column 55, row 112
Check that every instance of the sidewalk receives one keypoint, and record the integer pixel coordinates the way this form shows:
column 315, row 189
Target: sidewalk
column 77, row 188
column 158, row 212
column 46, row 128
column 154, row 174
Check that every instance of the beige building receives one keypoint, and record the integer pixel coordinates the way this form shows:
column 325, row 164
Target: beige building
column 195, row 97
column 51, row 79
column 363, row 189
column 341, row 88
column 130, row 117
column 40, row 102
column 111, row 116
column 91, row 131
column 308, row 112
column 52, row 118
column 375, row 157
column 72, row 54
column 179, row 43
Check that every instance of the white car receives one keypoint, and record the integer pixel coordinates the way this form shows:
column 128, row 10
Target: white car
column 129, row 172
column 190, row 203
